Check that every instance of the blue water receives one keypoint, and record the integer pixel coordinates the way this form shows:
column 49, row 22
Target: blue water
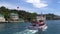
column 16, row 28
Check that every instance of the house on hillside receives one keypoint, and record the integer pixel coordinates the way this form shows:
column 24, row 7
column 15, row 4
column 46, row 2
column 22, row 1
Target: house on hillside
column 57, row 17
column 14, row 17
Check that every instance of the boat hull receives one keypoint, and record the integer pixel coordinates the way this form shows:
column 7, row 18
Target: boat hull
column 43, row 28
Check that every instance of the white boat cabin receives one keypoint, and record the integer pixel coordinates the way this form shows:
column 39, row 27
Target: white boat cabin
column 39, row 17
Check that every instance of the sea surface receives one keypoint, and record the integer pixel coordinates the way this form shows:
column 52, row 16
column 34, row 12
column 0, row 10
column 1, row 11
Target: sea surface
column 17, row 28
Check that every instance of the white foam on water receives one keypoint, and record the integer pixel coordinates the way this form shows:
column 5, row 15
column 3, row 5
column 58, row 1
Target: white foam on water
column 33, row 31
column 27, row 31
column 45, row 28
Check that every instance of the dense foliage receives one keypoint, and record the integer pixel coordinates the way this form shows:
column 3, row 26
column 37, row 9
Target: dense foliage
column 22, row 14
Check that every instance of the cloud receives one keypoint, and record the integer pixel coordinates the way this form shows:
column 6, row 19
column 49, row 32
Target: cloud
column 37, row 3
column 12, row 6
column 58, row 2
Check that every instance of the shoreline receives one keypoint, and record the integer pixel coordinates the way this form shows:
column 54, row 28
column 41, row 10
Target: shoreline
column 11, row 21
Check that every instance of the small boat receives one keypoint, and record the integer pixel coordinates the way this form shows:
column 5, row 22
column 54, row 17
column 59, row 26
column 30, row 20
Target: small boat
column 37, row 27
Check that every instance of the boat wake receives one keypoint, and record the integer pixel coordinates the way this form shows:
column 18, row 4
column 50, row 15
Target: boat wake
column 44, row 28
column 31, row 31
column 27, row 31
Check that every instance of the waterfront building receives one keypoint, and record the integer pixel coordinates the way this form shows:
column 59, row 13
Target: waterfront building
column 2, row 19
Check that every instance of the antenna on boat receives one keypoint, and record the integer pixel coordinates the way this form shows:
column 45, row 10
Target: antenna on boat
column 41, row 16
column 41, row 13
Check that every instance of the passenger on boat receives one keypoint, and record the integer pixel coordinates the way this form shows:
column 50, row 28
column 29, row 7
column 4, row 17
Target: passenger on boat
column 41, row 23
column 33, row 22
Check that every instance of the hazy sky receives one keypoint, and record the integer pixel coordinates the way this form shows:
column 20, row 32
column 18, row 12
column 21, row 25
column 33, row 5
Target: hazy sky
column 38, row 6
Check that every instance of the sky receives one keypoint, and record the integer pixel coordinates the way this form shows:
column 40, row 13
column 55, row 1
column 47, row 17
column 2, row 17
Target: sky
column 38, row 6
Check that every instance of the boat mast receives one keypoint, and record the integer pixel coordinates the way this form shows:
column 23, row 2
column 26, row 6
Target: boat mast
column 41, row 16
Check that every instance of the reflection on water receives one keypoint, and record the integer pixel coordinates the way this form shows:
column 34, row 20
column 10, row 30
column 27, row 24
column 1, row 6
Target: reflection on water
column 10, row 28
column 2, row 26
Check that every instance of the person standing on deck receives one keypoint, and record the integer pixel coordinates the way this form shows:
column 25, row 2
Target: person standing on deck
column 40, row 23
column 34, row 22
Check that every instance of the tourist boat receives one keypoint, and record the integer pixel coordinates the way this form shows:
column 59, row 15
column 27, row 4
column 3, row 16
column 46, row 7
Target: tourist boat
column 43, row 28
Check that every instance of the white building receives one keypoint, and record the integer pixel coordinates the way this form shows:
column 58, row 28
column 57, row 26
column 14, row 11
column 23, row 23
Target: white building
column 41, row 18
column 2, row 19
column 14, row 16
